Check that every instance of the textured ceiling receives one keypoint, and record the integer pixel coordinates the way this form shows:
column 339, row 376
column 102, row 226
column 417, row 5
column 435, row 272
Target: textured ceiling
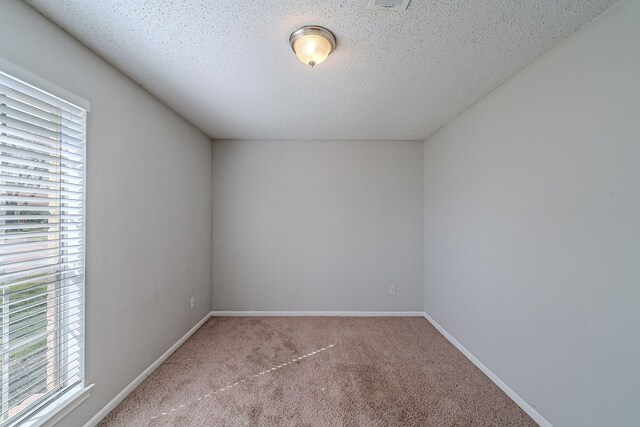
column 227, row 67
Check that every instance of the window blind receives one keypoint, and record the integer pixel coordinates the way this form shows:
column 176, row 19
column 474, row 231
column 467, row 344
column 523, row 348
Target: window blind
column 42, row 158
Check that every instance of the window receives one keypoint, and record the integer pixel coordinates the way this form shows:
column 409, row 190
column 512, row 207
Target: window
column 42, row 158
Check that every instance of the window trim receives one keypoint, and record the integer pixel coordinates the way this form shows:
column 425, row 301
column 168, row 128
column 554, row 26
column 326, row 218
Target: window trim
column 47, row 414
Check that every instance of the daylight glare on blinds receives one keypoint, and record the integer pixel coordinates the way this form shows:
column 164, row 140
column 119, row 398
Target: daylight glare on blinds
column 42, row 152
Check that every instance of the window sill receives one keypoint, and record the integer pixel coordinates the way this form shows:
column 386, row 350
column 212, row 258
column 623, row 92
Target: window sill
column 51, row 414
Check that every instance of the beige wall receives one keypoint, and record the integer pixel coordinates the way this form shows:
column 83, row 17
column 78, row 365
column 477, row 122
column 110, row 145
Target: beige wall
column 148, row 208
column 317, row 225
column 532, row 227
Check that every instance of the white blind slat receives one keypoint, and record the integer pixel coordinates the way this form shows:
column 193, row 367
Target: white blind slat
column 56, row 142
column 35, row 147
column 27, row 246
column 37, row 269
column 43, row 279
column 22, row 230
column 38, row 130
column 30, row 313
column 22, row 171
column 38, row 363
column 39, row 98
column 27, row 105
column 59, row 126
column 40, row 253
column 16, row 290
column 70, row 184
column 10, row 187
column 40, row 166
column 25, row 152
column 22, row 200
column 37, row 237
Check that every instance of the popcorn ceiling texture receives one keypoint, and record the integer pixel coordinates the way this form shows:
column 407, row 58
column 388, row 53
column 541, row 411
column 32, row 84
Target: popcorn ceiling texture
column 303, row 371
column 227, row 67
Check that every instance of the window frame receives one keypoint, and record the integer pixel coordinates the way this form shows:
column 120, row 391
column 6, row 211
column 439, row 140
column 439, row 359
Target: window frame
column 50, row 410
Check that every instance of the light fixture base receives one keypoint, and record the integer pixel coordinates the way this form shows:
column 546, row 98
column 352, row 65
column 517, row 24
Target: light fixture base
column 308, row 30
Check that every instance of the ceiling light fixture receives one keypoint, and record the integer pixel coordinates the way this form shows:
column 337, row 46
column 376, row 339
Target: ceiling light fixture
column 312, row 44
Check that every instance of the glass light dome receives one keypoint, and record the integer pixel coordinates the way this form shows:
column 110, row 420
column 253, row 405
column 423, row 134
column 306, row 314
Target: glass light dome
column 312, row 44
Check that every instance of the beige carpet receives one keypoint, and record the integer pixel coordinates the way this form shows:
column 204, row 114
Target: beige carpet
column 317, row 371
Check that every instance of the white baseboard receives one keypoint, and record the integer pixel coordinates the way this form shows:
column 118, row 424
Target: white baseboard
column 535, row 415
column 318, row 313
column 136, row 382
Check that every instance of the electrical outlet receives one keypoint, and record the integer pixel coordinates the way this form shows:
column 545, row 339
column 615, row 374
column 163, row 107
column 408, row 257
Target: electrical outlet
column 392, row 290
column 193, row 302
